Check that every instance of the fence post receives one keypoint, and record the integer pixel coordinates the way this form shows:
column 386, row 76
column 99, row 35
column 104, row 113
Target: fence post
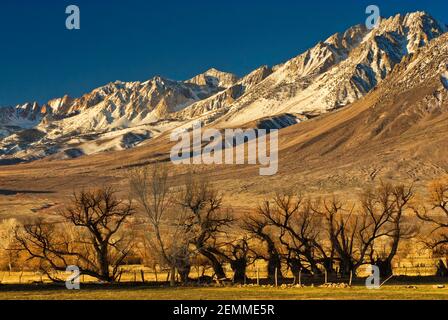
column 351, row 278
column 143, row 275
column 155, row 273
column 258, row 276
column 20, row 277
column 276, row 277
column 326, row 276
column 300, row 277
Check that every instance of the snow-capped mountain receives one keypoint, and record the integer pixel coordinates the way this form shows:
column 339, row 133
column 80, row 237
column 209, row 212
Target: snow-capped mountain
column 338, row 71
column 214, row 78
column 121, row 115
column 20, row 117
column 116, row 116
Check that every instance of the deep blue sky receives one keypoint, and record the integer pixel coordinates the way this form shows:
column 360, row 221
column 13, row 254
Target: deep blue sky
column 137, row 39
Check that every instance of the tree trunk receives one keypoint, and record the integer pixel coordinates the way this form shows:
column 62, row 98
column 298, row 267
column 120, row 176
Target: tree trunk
column 102, row 253
column 184, row 272
column 216, row 265
column 328, row 265
column 442, row 270
column 346, row 267
column 385, row 267
column 296, row 268
column 313, row 265
column 274, row 260
column 239, row 269
column 173, row 276
column 274, row 263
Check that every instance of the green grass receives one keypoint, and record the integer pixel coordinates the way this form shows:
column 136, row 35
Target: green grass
column 392, row 292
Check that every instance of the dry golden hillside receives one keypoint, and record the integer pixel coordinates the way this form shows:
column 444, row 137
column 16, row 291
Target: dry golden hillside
column 396, row 133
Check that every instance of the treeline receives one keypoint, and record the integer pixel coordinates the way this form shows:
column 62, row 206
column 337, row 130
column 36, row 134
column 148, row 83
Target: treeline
column 181, row 227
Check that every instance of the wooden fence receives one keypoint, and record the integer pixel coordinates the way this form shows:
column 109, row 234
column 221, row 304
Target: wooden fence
column 140, row 274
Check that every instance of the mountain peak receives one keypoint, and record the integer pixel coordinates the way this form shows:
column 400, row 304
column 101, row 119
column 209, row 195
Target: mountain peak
column 419, row 21
column 215, row 78
column 348, row 39
column 214, row 71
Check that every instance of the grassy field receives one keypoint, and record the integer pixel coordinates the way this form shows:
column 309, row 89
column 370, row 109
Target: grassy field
column 388, row 292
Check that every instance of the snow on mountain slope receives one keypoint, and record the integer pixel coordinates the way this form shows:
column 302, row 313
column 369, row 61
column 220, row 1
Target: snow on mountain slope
column 119, row 104
column 338, row 71
column 29, row 112
column 21, row 117
column 221, row 101
column 214, row 78
column 122, row 115
column 134, row 109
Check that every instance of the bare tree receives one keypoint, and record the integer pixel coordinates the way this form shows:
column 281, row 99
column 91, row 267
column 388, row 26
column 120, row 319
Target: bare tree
column 206, row 219
column 435, row 212
column 168, row 236
column 395, row 200
column 8, row 242
column 238, row 254
column 92, row 236
column 354, row 233
column 298, row 227
column 342, row 229
column 258, row 226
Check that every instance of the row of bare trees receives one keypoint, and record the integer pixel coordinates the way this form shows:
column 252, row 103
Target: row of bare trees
column 324, row 234
column 181, row 226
